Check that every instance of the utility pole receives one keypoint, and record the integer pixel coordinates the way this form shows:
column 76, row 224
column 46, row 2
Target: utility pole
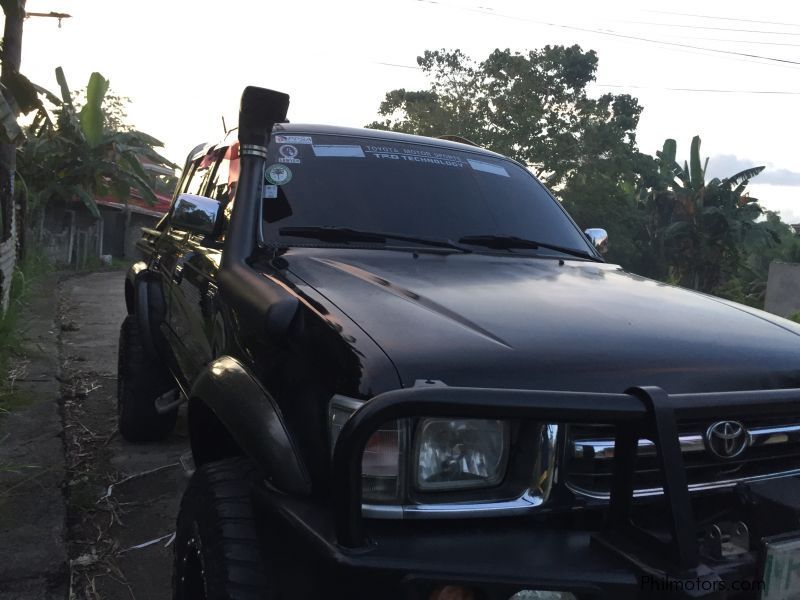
column 14, row 230
column 11, row 58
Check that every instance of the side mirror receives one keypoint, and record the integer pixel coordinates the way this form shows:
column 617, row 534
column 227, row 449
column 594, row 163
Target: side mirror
column 195, row 214
column 598, row 237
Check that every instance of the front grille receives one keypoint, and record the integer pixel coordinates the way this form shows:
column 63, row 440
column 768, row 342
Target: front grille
column 773, row 450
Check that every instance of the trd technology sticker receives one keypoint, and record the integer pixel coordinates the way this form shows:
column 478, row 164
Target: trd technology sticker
column 278, row 174
column 270, row 191
column 293, row 139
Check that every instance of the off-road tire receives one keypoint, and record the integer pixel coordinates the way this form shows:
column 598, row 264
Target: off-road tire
column 217, row 552
column 140, row 380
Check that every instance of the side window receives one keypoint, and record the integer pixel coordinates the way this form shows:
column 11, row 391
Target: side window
column 199, row 175
column 219, row 187
column 223, row 186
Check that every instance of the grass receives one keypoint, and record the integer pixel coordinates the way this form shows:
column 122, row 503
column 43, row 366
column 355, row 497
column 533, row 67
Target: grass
column 26, row 273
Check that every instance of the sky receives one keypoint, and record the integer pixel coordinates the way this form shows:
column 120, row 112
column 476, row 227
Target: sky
column 727, row 71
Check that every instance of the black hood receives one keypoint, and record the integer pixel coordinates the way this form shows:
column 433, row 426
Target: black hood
column 524, row 322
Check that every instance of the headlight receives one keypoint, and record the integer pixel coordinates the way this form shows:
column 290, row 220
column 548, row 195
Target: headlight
column 448, row 454
column 457, row 454
column 380, row 463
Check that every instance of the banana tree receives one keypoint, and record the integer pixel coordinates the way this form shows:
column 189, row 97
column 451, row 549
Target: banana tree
column 702, row 228
column 75, row 157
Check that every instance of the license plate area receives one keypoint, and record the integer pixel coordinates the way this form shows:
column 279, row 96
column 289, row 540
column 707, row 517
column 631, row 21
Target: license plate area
column 781, row 573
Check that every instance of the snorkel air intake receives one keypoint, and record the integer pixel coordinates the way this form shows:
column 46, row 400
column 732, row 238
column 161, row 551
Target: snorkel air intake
column 254, row 297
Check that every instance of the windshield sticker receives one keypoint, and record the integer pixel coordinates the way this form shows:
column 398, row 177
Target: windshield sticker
column 270, row 191
column 415, row 155
column 342, row 151
column 486, row 167
column 293, row 139
column 288, row 154
column 278, row 174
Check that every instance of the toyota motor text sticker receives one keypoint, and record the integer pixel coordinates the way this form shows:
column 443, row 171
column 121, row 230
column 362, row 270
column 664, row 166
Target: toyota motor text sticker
column 293, row 139
column 288, row 154
column 415, row 155
column 278, row 174
column 338, row 150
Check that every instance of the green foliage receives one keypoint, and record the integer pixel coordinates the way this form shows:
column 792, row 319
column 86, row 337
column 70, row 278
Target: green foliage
column 664, row 219
column 25, row 273
column 532, row 107
column 77, row 157
column 115, row 113
column 91, row 115
column 703, row 232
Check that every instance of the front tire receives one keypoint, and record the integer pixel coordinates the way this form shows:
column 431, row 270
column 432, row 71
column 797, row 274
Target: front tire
column 140, row 380
column 217, row 552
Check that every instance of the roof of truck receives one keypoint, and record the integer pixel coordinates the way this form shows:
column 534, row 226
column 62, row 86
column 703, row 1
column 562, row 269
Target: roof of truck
column 376, row 134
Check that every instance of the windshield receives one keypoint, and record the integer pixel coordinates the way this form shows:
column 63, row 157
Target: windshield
column 399, row 187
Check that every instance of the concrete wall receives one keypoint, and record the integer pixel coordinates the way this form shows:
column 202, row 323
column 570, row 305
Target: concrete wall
column 783, row 289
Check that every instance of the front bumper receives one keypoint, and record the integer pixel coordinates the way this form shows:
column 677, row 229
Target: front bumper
column 500, row 556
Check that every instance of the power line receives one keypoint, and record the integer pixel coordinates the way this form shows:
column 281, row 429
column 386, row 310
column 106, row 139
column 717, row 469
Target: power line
column 733, row 40
column 700, row 90
column 707, row 28
column 680, row 14
column 646, row 87
column 611, row 33
column 388, row 64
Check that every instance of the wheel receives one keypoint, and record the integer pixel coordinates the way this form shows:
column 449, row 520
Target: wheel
column 140, row 380
column 217, row 553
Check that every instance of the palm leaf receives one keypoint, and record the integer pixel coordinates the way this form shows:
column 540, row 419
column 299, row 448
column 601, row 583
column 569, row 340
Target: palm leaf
column 91, row 115
column 676, row 229
column 66, row 95
column 88, row 200
column 745, row 175
column 10, row 131
column 696, row 167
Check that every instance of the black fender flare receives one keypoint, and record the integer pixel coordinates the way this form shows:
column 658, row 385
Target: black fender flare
column 254, row 420
column 130, row 285
column 148, row 307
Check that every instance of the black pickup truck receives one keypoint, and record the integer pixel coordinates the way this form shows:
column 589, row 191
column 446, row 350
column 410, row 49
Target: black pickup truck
column 410, row 375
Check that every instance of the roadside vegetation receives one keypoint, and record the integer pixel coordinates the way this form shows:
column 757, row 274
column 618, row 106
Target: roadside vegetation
column 12, row 364
column 75, row 147
column 665, row 219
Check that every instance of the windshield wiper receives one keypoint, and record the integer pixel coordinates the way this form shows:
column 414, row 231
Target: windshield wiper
column 508, row 242
column 345, row 234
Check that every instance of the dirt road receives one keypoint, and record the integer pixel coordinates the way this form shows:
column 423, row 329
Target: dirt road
column 104, row 530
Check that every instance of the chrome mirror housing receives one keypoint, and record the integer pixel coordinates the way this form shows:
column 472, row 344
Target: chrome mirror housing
column 195, row 214
column 598, row 237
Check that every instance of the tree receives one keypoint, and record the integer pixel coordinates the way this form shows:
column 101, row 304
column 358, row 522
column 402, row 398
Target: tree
column 534, row 107
column 115, row 109
column 77, row 157
column 702, row 230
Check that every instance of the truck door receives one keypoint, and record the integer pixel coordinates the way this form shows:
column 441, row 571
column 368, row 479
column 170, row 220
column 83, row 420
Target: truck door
column 177, row 256
column 196, row 322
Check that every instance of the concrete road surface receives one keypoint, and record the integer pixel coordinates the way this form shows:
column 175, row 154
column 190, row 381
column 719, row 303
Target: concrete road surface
column 111, row 536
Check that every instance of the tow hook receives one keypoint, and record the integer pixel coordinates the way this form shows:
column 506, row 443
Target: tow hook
column 725, row 539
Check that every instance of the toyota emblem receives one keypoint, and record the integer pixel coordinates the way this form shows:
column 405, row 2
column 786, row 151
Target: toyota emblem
column 727, row 439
